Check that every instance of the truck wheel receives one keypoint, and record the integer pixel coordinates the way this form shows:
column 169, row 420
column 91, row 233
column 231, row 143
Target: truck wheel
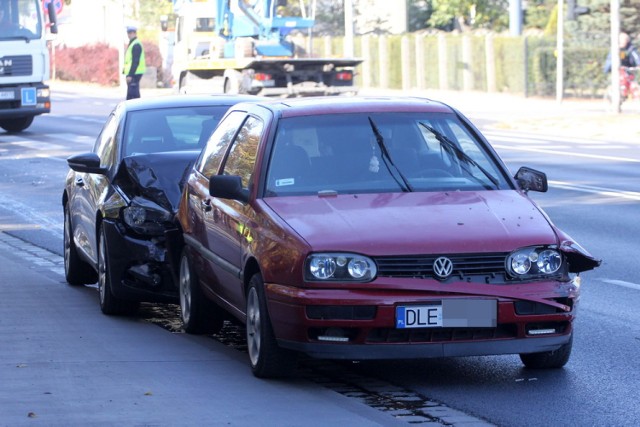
column 76, row 271
column 198, row 314
column 268, row 360
column 16, row 124
column 548, row 359
column 109, row 303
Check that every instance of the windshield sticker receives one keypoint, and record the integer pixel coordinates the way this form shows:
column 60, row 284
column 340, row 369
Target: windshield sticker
column 285, row 182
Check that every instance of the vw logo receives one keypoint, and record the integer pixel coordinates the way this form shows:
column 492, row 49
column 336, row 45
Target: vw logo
column 442, row 267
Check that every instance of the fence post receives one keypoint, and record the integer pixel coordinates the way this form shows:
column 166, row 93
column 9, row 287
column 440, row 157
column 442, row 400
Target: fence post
column 442, row 62
column 419, row 62
column 467, row 61
column 366, row 63
column 383, row 66
column 490, row 59
column 405, row 59
column 327, row 47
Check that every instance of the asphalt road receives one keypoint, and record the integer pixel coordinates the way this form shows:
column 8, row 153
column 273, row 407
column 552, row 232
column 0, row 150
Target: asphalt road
column 80, row 368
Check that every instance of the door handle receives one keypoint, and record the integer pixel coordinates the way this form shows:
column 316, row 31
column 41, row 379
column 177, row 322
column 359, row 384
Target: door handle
column 79, row 182
column 206, row 205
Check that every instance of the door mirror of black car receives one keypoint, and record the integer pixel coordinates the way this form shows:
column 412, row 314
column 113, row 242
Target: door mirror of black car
column 531, row 180
column 228, row 187
column 87, row 163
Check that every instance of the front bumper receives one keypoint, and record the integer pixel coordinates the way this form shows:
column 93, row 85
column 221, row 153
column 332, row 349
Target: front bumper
column 360, row 324
column 24, row 100
column 141, row 269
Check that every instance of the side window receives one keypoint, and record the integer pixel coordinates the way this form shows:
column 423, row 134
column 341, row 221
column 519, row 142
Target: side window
column 242, row 156
column 105, row 146
column 212, row 155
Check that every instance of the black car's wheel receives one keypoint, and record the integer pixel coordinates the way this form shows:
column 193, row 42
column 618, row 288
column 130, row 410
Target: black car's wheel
column 109, row 303
column 267, row 359
column 76, row 271
column 16, row 124
column 198, row 314
column 548, row 359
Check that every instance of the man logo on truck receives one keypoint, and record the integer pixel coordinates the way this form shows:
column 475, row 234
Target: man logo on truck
column 4, row 64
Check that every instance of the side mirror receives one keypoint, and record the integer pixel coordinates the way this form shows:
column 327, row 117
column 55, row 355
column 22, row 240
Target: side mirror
column 228, row 187
column 86, row 163
column 531, row 180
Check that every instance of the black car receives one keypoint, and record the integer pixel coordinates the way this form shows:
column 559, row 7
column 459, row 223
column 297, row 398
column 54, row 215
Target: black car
column 120, row 199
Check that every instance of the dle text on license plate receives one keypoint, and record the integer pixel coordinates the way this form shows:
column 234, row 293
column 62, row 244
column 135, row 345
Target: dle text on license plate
column 451, row 313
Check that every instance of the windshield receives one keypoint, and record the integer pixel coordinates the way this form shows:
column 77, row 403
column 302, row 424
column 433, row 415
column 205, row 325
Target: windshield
column 20, row 19
column 170, row 129
column 372, row 153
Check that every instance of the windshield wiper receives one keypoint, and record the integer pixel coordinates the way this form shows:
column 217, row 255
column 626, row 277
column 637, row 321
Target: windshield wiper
column 450, row 145
column 386, row 158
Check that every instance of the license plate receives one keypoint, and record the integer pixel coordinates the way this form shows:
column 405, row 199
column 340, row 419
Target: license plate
column 453, row 313
column 7, row 95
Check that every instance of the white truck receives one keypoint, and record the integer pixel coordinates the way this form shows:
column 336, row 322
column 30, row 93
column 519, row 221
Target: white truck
column 244, row 46
column 24, row 61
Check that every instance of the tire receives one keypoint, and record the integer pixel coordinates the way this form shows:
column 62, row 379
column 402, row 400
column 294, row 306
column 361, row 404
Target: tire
column 548, row 359
column 16, row 124
column 76, row 271
column 198, row 314
column 109, row 303
column 267, row 359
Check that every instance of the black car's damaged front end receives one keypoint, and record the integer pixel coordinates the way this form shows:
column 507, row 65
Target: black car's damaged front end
column 142, row 238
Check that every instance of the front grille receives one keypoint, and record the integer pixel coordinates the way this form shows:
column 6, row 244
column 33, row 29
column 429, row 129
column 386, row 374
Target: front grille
column 433, row 335
column 21, row 65
column 485, row 265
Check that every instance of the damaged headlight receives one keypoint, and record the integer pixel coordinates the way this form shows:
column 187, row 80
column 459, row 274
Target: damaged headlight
column 534, row 261
column 146, row 217
column 339, row 267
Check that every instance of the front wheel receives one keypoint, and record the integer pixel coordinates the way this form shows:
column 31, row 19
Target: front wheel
column 548, row 359
column 109, row 303
column 268, row 360
column 16, row 124
column 198, row 314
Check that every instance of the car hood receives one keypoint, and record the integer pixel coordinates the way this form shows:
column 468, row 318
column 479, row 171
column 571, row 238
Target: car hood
column 157, row 177
column 417, row 223
column 426, row 223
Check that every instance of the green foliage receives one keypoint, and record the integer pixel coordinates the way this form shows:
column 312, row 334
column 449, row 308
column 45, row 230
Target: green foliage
column 418, row 14
column 466, row 14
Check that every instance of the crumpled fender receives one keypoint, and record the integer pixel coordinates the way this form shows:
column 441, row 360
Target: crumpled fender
column 579, row 258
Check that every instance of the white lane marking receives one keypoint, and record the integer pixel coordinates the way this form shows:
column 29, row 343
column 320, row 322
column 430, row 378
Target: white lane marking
column 567, row 153
column 622, row 283
column 611, row 192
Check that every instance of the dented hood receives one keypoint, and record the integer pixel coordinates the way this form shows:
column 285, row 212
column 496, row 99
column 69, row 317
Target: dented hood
column 419, row 222
column 158, row 177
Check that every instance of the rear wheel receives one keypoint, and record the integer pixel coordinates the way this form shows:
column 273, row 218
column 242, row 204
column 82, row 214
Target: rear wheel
column 76, row 271
column 198, row 314
column 109, row 303
column 548, row 359
column 16, row 124
column 268, row 360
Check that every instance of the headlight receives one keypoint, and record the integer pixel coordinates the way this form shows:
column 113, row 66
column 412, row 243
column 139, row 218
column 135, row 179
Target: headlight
column 333, row 267
column 534, row 261
column 146, row 217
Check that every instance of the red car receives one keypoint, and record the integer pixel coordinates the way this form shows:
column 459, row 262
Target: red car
column 372, row 228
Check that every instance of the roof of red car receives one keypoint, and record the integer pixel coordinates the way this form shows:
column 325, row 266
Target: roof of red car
column 355, row 104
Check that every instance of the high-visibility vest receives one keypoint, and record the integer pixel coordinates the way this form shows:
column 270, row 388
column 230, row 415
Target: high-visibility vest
column 128, row 59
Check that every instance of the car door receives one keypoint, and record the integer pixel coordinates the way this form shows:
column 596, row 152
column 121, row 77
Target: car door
column 226, row 227
column 89, row 189
column 199, row 210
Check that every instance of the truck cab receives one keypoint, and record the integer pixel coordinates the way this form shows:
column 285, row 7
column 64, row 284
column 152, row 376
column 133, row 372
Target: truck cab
column 24, row 62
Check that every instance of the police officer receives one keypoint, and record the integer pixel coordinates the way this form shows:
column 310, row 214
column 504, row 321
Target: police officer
column 134, row 63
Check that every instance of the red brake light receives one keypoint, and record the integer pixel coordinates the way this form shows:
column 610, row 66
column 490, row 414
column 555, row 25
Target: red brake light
column 344, row 75
column 262, row 77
